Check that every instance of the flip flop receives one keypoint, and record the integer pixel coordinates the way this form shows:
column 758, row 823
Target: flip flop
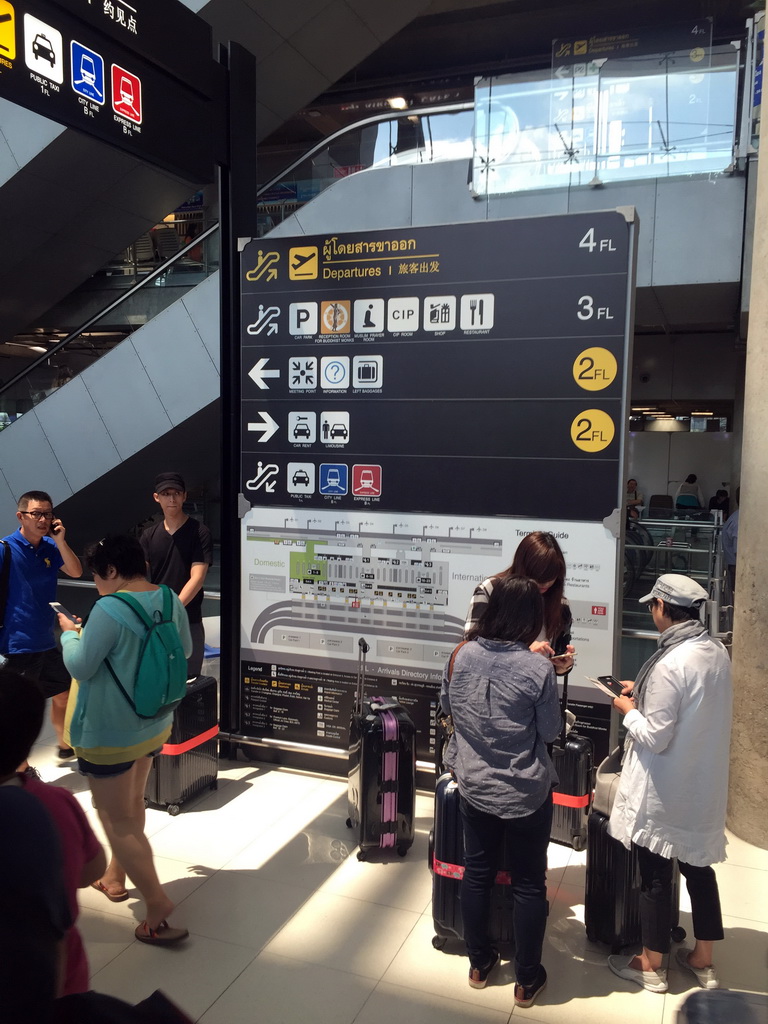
column 163, row 935
column 113, row 897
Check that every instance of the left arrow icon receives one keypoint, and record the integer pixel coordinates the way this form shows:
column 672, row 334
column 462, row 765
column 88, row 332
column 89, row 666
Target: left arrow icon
column 267, row 427
column 259, row 373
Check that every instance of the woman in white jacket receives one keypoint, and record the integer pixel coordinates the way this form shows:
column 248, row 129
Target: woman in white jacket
column 671, row 800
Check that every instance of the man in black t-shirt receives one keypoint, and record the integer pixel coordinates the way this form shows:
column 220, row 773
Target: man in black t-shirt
column 179, row 551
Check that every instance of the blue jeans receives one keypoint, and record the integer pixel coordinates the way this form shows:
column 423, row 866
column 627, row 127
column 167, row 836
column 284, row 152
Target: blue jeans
column 528, row 841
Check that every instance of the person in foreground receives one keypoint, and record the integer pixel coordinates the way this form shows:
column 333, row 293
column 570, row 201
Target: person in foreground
column 114, row 746
column 673, row 791
column 22, row 706
column 503, row 700
column 539, row 557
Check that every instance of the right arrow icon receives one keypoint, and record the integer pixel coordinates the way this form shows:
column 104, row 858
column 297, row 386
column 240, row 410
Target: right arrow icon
column 267, row 427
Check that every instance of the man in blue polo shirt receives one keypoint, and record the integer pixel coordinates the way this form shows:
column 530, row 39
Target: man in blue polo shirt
column 37, row 550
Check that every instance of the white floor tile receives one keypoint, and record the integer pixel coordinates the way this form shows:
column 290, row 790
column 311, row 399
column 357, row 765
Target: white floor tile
column 287, row 990
column 743, row 892
column 351, row 935
column 288, row 926
column 241, row 907
column 390, row 1002
column 421, row 968
column 192, row 974
column 739, row 852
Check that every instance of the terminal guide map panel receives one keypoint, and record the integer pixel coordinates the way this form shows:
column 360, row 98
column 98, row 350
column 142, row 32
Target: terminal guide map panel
column 414, row 402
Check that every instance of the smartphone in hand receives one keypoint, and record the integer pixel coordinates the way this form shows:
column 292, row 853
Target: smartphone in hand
column 608, row 684
column 61, row 610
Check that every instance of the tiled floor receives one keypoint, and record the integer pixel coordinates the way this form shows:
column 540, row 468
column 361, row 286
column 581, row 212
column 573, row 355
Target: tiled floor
column 287, row 926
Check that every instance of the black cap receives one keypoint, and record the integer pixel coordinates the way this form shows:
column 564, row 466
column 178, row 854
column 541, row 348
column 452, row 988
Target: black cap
column 165, row 480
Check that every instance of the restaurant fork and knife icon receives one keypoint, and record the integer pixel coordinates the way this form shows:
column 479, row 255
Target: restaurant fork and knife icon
column 476, row 308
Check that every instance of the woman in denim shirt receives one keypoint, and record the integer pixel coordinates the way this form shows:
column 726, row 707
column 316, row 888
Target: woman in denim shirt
column 505, row 709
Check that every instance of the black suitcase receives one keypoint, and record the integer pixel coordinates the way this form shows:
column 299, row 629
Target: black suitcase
column 612, row 896
column 446, row 861
column 381, row 789
column 189, row 760
column 573, row 758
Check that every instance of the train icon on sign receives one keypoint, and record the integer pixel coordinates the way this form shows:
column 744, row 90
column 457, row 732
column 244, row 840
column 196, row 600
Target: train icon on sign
column 87, row 73
column 126, row 94
column 366, row 481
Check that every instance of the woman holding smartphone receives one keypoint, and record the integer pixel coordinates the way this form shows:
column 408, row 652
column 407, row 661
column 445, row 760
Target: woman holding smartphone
column 540, row 558
column 114, row 745
column 504, row 703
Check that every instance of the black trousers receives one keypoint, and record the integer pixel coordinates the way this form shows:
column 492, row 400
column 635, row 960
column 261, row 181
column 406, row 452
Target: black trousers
column 195, row 660
column 483, row 839
column 656, row 900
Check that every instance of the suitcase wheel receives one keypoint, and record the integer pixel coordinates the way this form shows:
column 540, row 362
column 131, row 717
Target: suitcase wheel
column 173, row 809
column 678, row 934
column 146, row 802
column 361, row 854
column 439, row 941
column 402, row 850
column 348, row 823
column 579, row 842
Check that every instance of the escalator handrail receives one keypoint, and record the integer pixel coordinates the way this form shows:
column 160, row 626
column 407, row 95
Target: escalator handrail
column 157, row 272
column 389, row 115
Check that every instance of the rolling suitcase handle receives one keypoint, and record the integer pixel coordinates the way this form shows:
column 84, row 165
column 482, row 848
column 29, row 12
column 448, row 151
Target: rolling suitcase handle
column 363, row 648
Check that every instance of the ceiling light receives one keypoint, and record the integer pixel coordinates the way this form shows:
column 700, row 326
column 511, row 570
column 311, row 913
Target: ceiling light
column 397, row 103
column 702, row 414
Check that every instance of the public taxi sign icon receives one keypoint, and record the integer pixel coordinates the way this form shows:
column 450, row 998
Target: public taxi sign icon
column 43, row 49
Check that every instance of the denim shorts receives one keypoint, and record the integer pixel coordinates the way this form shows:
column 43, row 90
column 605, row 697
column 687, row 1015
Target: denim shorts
column 108, row 771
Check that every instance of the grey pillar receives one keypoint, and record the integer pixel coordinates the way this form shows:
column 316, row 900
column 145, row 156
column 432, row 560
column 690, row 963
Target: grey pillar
column 748, row 790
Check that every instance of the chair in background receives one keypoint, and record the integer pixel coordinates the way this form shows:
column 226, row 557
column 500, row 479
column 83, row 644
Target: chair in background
column 660, row 506
column 687, row 501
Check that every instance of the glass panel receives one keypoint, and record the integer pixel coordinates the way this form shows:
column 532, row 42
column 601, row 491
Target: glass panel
column 405, row 139
column 614, row 120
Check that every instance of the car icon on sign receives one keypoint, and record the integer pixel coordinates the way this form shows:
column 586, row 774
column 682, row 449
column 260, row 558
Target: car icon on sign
column 339, row 430
column 42, row 48
column 301, row 476
column 301, row 429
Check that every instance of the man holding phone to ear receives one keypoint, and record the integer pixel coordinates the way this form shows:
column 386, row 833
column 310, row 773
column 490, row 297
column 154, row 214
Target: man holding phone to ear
column 37, row 550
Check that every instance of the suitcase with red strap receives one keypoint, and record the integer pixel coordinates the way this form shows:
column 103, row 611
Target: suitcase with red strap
column 446, row 861
column 381, row 790
column 189, row 760
column 572, row 756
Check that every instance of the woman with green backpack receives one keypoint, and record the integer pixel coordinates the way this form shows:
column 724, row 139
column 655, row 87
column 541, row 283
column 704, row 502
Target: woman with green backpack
column 129, row 669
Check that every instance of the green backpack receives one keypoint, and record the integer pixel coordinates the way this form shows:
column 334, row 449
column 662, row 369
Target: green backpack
column 161, row 671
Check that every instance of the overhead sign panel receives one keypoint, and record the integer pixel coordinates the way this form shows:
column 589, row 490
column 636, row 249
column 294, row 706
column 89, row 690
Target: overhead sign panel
column 93, row 68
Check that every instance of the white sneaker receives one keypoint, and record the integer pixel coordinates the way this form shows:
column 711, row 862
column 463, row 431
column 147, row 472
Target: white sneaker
column 653, row 981
column 705, row 976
